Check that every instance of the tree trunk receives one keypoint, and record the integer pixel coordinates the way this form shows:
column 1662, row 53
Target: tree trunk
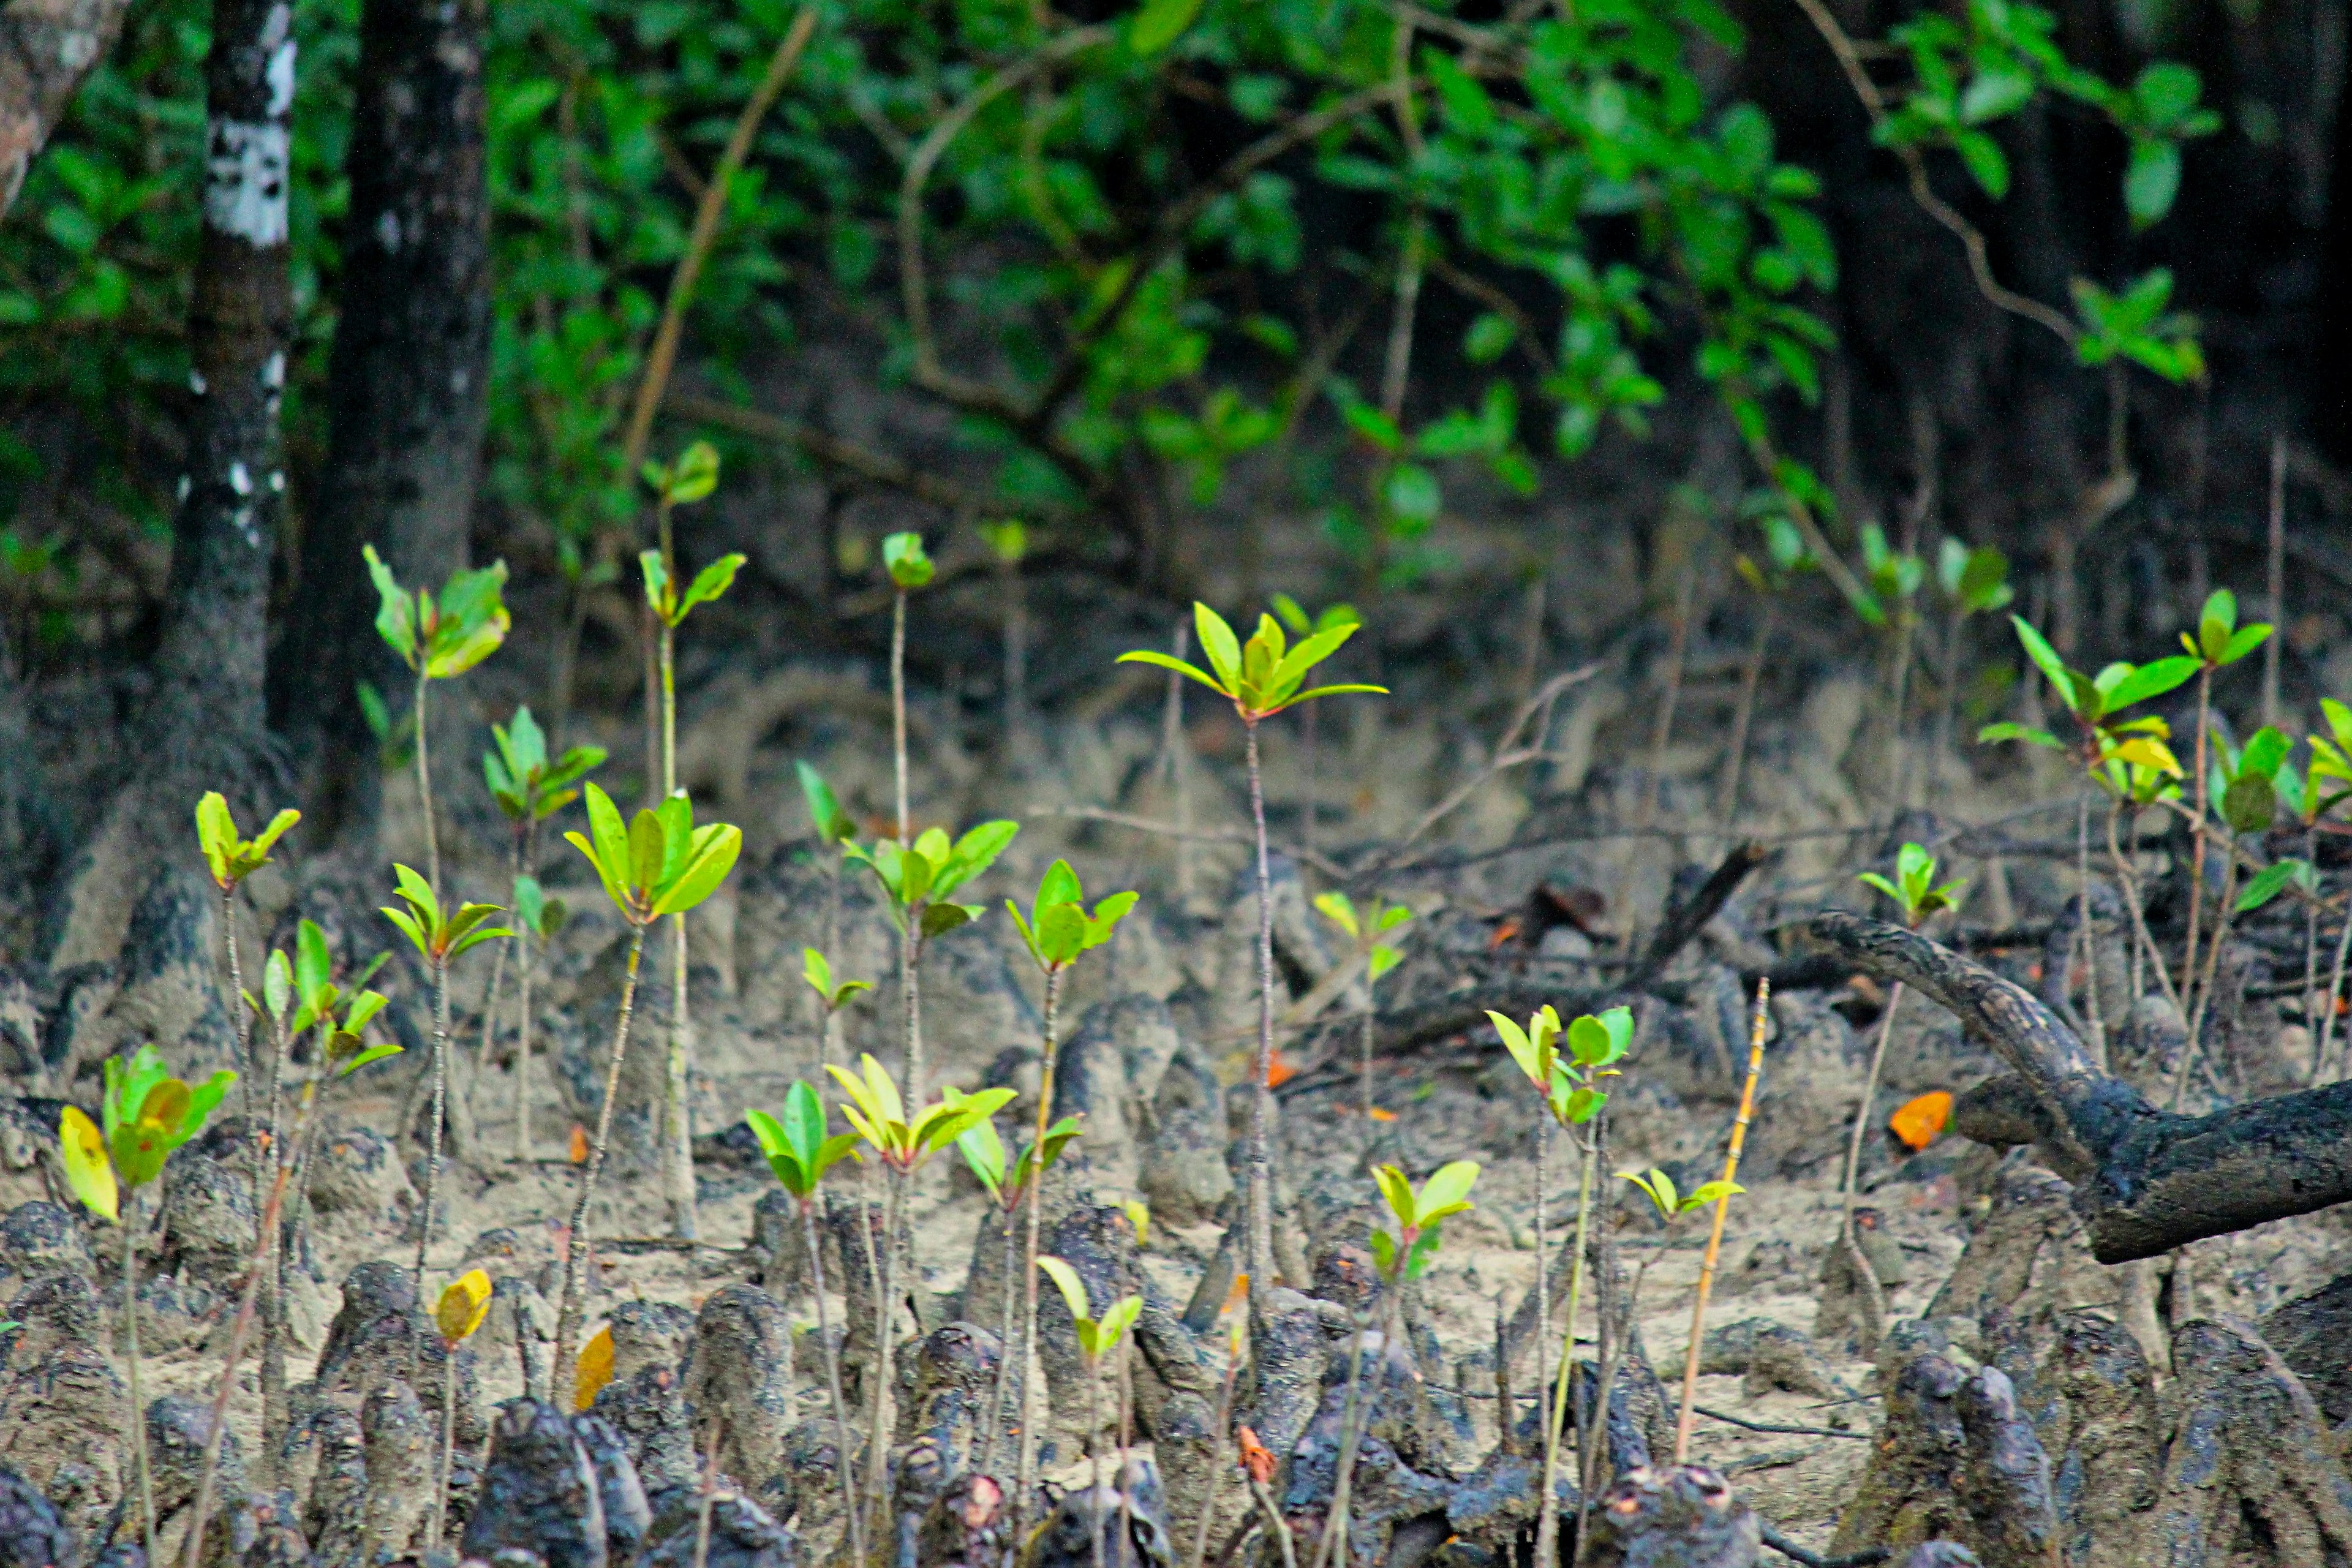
column 203, row 725
column 405, row 391
column 46, row 47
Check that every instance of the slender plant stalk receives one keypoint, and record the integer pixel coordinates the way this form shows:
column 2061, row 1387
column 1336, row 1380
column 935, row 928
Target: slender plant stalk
column 2197, row 857
column 488, row 1035
column 2085, row 934
column 137, row 1415
column 449, row 1447
column 1094, row 1458
column 424, row 789
column 522, row 1053
column 1591, row 1453
column 877, row 1469
column 1335, row 1518
column 1543, row 1273
column 1259, row 1232
column 2335, row 986
column 997, row 1415
column 2147, row 943
column 843, row 1459
column 1275, row 1525
column 1722, row 1212
column 1370, row 1011
column 1199, row 1553
column 677, row 1133
column 1750, row 676
column 2311, row 947
column 575, row 1253
column 1036, row 1194
column 440, row 1111
column 1548, row 1509
column 237, row 1008
column 710, row 1495
column 2213, row 946
column 898, row 707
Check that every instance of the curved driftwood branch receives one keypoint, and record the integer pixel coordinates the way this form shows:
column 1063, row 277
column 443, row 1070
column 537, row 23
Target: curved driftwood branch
column 2145, row 1181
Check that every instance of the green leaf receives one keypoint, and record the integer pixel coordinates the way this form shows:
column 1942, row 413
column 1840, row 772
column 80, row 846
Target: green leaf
column 832, row 823
column 1166, row 661
column 216, row 836
column 1995, row 94
column 2250, row 803
column 657, row 595
column 708, row 859
column 693, row 475
column 2006, row 730
column 395, row 619
column 1073, row 1289
column 1116, row 1320
column 1987, row 164
column 1489, row 338
column 2151, row 181
column 712, row 581
column 983, row 1152
column 2269, row 883
column 2046, row 659
column 1334, row 907
column 1396, row 1191
column 903, row 558
column 2152, row 679
column 1447, row 1191
column 1218, row 644
column 1599, row 1040
column 1160, row 23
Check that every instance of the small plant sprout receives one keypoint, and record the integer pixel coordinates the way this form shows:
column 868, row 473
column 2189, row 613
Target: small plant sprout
column 800, row 1154
column 438, row 937
column 659, row 864
column 2244, row 783
column 910, row 570
column 919, row 878
column 537, row 918
column 836, row 828
column 439, row 640
column 1759, row 1021
column 1784, row 557
column 231, row 859
column 1365, row 929
column 2096, row 703
column 1404, row 1253
column 832, row 996
column 460, row 1311
column 904, row 1145
column 2331, row 761
column 1056, row 931
column 145, row 1116
column 1895, row 577
column 1097, row 1337
column 2216, row 643
column 1570, row 1082
column 983, row 1152
column 1260, row 679
column 1296, row 619
column 529, row 787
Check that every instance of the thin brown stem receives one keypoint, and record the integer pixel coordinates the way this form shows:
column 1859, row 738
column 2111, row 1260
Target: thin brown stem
column 877, row 1471
column 1037, row 1206
column 440, row 1111
column 843, row 1457
column 424, row 789
column 576, row 1251
column 1258, row 1234
column 2197, row 831
column 137, row 1421
column 1548, row 1509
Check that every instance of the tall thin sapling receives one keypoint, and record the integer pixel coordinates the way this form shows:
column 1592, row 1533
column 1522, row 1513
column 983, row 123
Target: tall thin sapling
column 539, row 918
column 2217, row 643
column 832, row 996
column 1097, row 1337
column 463, row 1303
column 231, row 859
column 983, row 1152
column 1378, row 918
column 1757, row 1021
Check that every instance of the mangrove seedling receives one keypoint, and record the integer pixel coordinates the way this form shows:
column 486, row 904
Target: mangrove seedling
column 692, row 479
column 917, row 878
column 1300, row 624
column 231, row 859
column 460, row 1311
column 1260, row 679
column 832, row 996
column 983, row 1152
column 2331, row 760
column 2216, row 643
column 835, row 829
column 439, row 640
column 659, row 864
column 438, row 937
column 2244, row 783
column 1570, row 1083
column 800, row 1152
column 910, row 569
column 146, row 1114
column 1097, row 1337
column 538, row 918
column 1419, row 1218
column 904, row 1145
column 1056, row 931
column 1378, row 957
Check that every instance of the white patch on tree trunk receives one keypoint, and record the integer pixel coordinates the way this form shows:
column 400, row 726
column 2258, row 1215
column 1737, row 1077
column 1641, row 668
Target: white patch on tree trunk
column 246, row 183
column 281, row 77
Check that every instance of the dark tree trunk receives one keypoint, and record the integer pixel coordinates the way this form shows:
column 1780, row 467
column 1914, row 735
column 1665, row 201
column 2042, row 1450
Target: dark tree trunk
column 2333, row 388
column 202, row 725
column 405, row 388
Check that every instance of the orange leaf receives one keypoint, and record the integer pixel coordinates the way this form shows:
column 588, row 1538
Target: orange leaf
column 1278, row 1071
column 1255, row 1457
column 1922, row 1121
column 1380, row 1114
column 579, row 1144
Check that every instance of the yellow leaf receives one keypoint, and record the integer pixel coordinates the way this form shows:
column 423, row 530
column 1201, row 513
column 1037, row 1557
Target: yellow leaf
column 88, row 1170
column 463, row 1306
column 596, row 1369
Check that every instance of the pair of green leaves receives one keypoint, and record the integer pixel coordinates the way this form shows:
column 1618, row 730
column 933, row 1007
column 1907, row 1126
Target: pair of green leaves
column 1263, row 677
column 983, row 1150
column 2219, row 640
column 661, row 592
column 439, row 935
column 147, row 1115
column 1419, row 1215
column 1058, row 928
column 2245, row 780
column 1914, row 889
column 1569, row 1081
column 229, row 857
column 1097, row 1337
column 796, row 1145
column 1673, row 1205
column 444, row 638
column 2137, row 325
column 903, row 559
column 1376, row 920
column 834, row 825
column 817, row 970
column 919, row 877
column 527, row 785
column 878, row 1114
column 690, row 478
column 1330, row 619
column 1893, row 573
column 660, row 863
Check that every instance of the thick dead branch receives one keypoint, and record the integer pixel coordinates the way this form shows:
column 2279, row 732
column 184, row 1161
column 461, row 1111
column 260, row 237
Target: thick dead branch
column 2145, row 1181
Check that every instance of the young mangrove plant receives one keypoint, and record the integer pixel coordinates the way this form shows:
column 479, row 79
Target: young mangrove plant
column 2245, row 785
column 1570, row 1083
column 463, row 1303
column 692, row 479
column 917, row 878
column 836, row 828
column 1260, row 679
column 1419, row 1218
column 439, row 640
column 1916, row 895
column 1378, row 958
column 528, row 786
column 438, row 937
column 659, row 864
column 1097, row 1337
column 1757, row 1022
column 2217, row 643
column 904, row 1146
column 145, row 1115
column 800, row 1152
column 231, row 859
column 910, row 570
column 1056, row 931
column 537, row 919
column 2331, row 761
column 832, row 996
column 983, row 1152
